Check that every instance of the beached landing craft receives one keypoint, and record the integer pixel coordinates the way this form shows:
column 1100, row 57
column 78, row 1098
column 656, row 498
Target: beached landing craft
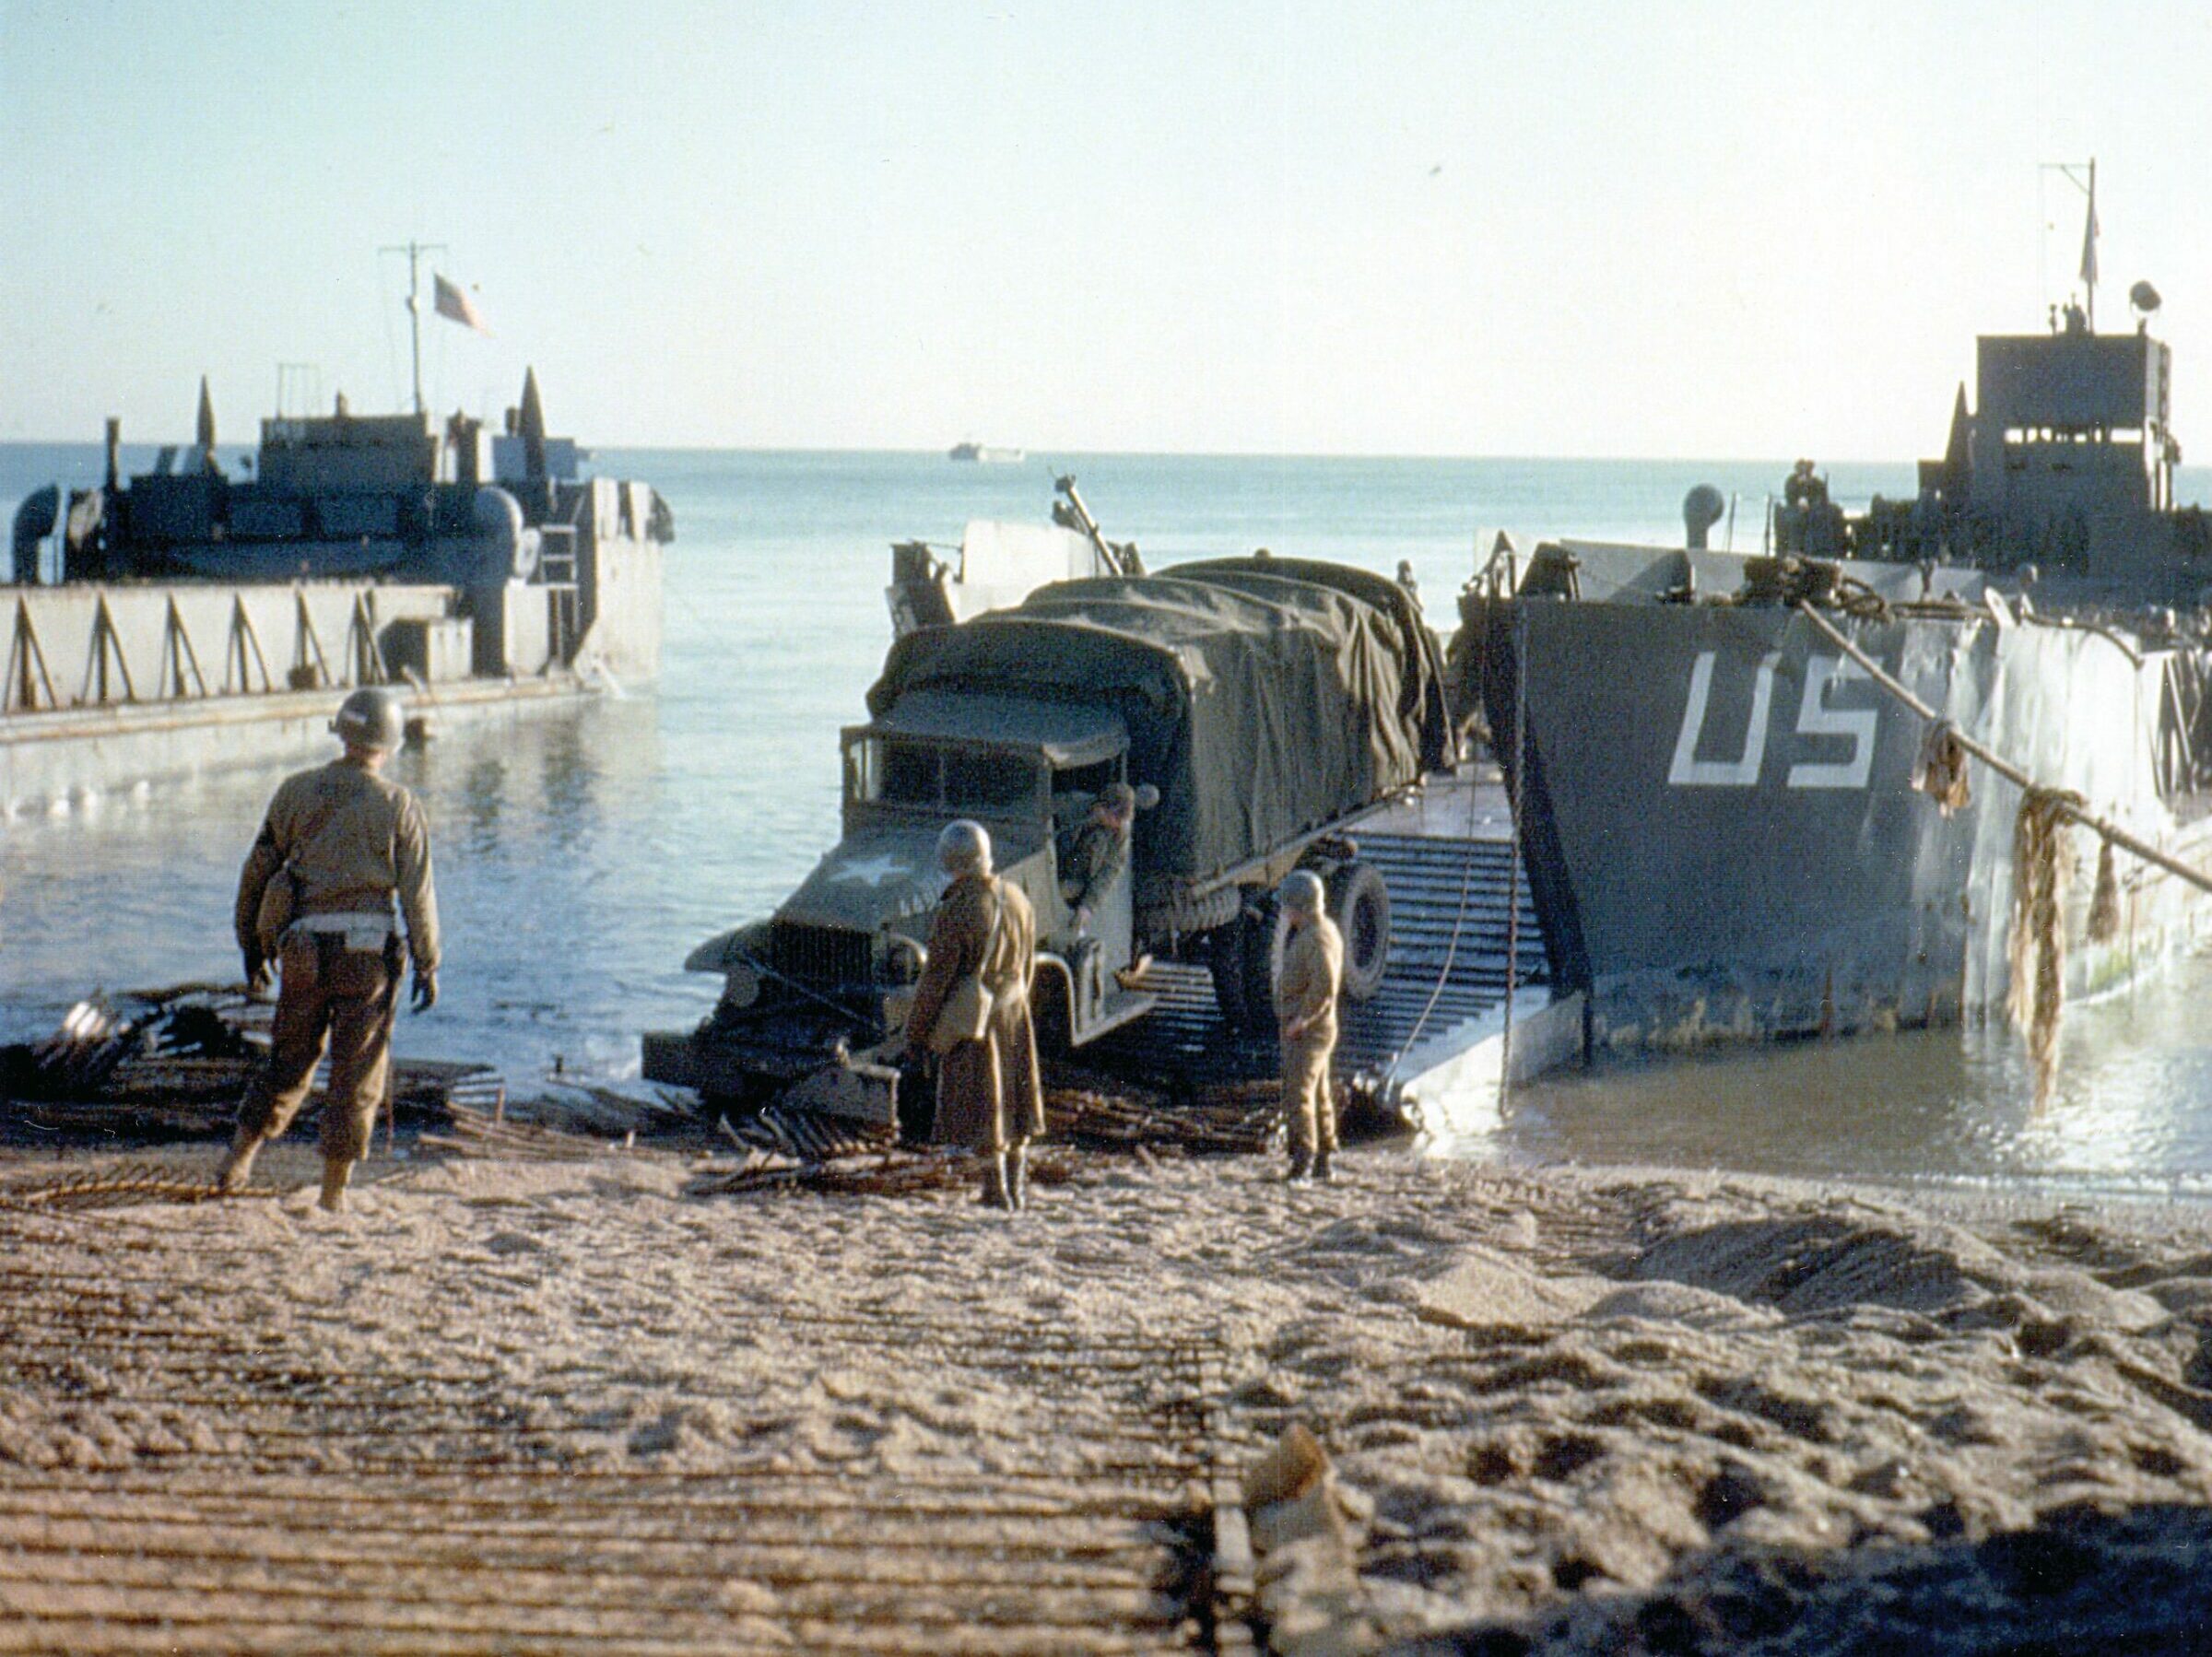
column 1752, row 793
column 186, row 619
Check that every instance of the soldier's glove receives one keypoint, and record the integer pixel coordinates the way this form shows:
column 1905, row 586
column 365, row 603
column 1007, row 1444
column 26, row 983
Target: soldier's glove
column 425, row 992
column 259, row 978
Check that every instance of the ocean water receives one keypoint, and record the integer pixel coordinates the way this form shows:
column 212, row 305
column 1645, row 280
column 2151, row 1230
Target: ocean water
column 581, row 854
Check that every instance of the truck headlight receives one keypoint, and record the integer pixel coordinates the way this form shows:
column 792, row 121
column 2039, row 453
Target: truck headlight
column 903, row 960
column 741, row 985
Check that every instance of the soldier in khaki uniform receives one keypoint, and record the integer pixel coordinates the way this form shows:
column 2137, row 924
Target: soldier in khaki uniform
column 315, row 897
column 1100, row 853
column 1305, row 1011
column 989, row 1097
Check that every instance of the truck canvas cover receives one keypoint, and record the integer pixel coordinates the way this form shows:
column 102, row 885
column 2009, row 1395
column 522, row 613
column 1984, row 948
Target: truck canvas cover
column 1264, row 698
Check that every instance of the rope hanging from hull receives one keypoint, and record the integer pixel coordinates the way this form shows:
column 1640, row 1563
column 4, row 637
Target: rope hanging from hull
column 2042, row 862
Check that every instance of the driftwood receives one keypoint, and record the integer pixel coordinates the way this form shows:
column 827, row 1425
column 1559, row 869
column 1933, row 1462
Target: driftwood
column 886, row 1173
column 476, row 1132
column 116, row 1187
column 173, row 1064
column 1120, row 1121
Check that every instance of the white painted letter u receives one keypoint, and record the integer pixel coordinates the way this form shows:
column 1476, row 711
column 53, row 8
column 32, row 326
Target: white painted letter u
column 1689, row 770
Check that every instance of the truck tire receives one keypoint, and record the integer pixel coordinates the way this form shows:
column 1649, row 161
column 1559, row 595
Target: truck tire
column 1239, row 954
column 1359, row 904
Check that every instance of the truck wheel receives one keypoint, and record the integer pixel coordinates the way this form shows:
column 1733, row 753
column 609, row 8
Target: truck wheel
column 1225, row 957
column 1243, row 981
column 1359, row 904
column 1259, row 966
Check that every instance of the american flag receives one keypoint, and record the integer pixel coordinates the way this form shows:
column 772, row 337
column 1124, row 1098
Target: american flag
column 448, row 300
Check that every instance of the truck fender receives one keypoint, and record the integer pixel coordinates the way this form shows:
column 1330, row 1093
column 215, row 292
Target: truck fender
column 722, row 952
column 1053, row 1001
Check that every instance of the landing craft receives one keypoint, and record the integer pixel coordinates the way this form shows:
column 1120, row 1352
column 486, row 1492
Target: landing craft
column 184, row 619
column 1827, row 788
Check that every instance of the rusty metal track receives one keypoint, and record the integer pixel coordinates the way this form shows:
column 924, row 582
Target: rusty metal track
column 478, row 1505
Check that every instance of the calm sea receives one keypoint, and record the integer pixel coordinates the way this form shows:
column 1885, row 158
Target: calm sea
column 580, row 856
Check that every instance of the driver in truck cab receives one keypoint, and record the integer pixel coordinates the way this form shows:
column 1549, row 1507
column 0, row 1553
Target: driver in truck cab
column 1100, row 854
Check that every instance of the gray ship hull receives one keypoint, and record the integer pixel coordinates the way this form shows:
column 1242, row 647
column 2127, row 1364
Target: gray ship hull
column 187, row 620
column 1724, row 837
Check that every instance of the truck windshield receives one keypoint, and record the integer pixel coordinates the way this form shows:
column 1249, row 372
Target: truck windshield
column 892, row 773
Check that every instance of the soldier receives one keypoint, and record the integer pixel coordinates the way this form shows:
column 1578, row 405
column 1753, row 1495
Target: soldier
column 317, row 896
column 1305, row 1009
column 989, row 1097
column 1100, row 854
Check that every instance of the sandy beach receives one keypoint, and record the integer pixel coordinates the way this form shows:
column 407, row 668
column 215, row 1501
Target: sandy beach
column 567, row 1405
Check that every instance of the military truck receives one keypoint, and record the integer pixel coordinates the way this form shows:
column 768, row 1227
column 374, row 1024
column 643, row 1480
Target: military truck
column 1264, row 705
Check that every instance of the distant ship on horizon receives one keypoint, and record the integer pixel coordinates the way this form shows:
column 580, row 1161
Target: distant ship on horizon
column 984, row 453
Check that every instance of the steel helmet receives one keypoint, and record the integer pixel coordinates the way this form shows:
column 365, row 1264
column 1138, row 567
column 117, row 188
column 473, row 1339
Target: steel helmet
column 965, row 848
column 370, row 719
column 1301, row 890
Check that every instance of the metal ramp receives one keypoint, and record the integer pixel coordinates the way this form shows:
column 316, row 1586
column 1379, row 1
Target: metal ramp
column 1448, row 921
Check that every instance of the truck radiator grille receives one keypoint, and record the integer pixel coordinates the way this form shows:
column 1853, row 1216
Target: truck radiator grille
column 821, row 955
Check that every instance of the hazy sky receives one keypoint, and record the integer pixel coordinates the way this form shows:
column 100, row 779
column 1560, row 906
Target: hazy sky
column 1675, row 229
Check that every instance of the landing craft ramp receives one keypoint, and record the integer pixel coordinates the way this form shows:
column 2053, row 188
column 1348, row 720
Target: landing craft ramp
column 1447, row 861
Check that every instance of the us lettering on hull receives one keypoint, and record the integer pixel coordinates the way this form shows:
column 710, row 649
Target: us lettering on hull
column 1816, row 719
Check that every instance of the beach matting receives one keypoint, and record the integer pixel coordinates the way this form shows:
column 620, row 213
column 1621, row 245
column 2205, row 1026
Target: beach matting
column 569, row 1405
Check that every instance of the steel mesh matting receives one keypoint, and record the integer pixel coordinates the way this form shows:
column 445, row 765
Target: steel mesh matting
column 273, row 1502
column 1449, row 920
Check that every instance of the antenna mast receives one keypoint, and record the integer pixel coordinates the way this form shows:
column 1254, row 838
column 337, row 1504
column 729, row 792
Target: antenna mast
column 413, row 251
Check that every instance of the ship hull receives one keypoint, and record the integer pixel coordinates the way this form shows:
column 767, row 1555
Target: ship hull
column 108, row 686
column 1724, row 841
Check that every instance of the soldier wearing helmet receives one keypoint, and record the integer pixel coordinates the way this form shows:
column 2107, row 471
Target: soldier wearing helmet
column 1100, row 853
column 339, row 844
column 1305, row 1011
column 989, row 1097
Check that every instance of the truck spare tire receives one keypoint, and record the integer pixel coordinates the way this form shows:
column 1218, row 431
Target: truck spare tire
column 1359, row 904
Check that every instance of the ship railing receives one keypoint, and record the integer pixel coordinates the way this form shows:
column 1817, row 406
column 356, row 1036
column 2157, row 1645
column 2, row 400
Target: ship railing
column 558, row 561
column 96, row 646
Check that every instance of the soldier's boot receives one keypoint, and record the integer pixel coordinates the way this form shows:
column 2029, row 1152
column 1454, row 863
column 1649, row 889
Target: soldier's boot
column 236, row 1166
column 1322, row 1171
column 1301, row 1169
column 1018, row 1177
column 994, row 1193
column 334, row 1177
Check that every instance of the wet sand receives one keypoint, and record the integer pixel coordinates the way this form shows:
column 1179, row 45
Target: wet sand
column 1577, row 1411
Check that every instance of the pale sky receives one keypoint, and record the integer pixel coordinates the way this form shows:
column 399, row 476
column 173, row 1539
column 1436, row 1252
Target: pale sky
column 1684, row 230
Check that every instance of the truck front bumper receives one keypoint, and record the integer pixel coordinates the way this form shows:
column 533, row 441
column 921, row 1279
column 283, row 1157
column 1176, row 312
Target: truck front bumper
column 834, row 1084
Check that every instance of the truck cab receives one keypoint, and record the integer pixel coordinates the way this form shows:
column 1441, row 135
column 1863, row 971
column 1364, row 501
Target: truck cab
column 831, row 974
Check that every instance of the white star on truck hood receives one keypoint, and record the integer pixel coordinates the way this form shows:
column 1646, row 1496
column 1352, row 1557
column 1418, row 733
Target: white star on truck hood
column 873, row 871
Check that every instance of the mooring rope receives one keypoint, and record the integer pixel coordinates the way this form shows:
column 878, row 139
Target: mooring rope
column 2041, row 866
column 2076, row 809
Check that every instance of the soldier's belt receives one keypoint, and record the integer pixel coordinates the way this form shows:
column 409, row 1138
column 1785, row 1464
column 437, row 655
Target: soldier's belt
column 364, row 932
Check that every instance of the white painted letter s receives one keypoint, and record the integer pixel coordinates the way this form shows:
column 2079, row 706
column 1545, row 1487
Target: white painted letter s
column 1814, row 718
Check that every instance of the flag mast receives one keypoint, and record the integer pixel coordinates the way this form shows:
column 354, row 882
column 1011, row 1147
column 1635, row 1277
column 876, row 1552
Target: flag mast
column 2083, row 177
column 2088, row 248
column 413, row 251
